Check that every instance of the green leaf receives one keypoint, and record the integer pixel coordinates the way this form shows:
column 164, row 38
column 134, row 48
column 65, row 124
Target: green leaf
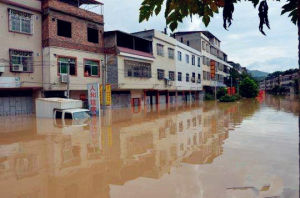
column 206, row 20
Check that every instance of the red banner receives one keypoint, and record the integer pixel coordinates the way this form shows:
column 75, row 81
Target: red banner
column 212, row 69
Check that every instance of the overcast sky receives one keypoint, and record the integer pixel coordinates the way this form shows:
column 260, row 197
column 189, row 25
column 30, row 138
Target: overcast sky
column 243, row 43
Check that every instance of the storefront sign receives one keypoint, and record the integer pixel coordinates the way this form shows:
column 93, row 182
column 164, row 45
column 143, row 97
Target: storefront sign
column 10, row 82
column 94, row 99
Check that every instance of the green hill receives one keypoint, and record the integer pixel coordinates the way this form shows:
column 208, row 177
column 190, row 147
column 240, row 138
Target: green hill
column 258, row 74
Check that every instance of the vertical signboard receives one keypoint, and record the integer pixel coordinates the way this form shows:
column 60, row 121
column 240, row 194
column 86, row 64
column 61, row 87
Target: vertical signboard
column 94, row 98
column 212, row 69
column 108, row 94
column 101, row 94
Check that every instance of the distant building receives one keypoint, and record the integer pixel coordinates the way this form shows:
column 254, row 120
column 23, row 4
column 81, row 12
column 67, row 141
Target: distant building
column 209, row 46
column 286, row 80
column 178, row 67
column 237, row 67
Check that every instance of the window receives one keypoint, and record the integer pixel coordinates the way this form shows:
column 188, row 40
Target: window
column 137, row 69
column 181, row 40
column 193, row 77
column 63, row 63
column 193, row 60
column 20, row 22
column 172, row 75
column 204, row 60
column 58, row 114
column 199, row 78
column 171, row 53
column 68, row 115
column 179, row 76
column 207, row 48
column 187, row 77
column 160, row 49
column 160, row 74
column 92, row 35
column 91, row 68
column 203, row 45
column 21, row 61
column 64, row 28
column 204, row 75
column 187, row 58
column 179, row 56
column 199, row 60
column 188, row 43
column 208, row 61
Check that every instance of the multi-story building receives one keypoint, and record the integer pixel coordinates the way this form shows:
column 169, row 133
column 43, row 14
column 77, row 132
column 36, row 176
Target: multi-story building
column 20, row 55
column 164, row 65
column 189, row 73
column 287, row 80
column 130, row 69
column 178, row 68
column 72, row 44
column 209, row 46
column 236, row 66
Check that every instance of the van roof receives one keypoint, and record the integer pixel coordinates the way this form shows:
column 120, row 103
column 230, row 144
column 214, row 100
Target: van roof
column 57, row 99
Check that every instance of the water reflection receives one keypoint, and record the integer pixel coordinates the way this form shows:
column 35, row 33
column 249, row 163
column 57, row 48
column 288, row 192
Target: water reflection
column 125, row 151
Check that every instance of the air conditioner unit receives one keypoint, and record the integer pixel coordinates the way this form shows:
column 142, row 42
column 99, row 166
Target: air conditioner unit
column 64, row 78
column 193, row 79
column 17, row 68
column 170, row 83
column 198, row 80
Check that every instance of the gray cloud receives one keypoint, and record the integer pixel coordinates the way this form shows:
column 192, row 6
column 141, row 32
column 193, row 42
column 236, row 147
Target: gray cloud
column 243, row 42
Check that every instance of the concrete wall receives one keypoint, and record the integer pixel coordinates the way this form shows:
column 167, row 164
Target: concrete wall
column 193, row 40
column 77, row 82
column 184, row 67
column 161, row 62
column 126, row 83
column 19, row 41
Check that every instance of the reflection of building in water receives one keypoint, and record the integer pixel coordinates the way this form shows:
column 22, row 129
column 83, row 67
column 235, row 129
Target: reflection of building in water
column 84, row 161
column 286, row 103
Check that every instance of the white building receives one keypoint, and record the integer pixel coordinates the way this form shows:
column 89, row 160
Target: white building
column 188, row 70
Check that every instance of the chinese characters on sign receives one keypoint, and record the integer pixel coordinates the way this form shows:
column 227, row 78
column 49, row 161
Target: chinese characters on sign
column 95, row 97
column 212, row 69
column 108, row 95
column 94, row 100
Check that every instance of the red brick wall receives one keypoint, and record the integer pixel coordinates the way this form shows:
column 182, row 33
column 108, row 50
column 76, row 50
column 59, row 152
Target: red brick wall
column 63, row 7
column 79, row 30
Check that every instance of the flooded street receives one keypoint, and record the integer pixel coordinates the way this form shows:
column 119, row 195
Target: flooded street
column 234, row 150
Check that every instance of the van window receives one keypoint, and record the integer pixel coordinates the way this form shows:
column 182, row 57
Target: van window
column 68, row 115
column 58, row 114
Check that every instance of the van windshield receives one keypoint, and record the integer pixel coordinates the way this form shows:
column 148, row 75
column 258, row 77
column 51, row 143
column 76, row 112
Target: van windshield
column 80, row 115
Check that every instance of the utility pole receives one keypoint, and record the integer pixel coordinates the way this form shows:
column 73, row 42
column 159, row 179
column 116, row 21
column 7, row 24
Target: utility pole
column 238, row 91
column 215, row 88
column 104, row 83
column 68, row 75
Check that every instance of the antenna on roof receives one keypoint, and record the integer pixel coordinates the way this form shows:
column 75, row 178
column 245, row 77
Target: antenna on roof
column 166, row 30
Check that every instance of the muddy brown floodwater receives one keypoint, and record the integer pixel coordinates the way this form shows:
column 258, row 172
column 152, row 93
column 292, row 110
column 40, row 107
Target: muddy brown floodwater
column 238, row 150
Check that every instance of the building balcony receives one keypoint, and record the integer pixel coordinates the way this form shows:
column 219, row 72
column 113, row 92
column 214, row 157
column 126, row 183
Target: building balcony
column 86, row 9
